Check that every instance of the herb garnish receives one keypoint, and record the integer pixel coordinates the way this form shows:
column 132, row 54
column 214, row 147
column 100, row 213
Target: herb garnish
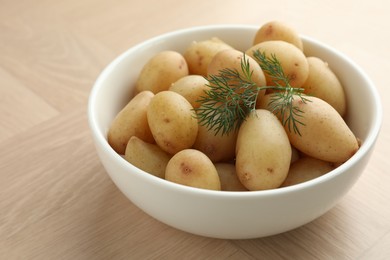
column 232, row 96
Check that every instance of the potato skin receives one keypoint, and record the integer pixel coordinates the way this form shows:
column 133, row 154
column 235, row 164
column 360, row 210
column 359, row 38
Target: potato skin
column 231, row 59
column 148, row 157
column 193, row 168
column 265, row 101
column 263, row 151
column 292, row 60
column 161, row 71
column 131, row 121
column 199, row 54
column 217, row 147
column 305, row 169
column 277, row 30
column 192, row 87
column 172, row 121
column 324, row 84
column 228, row 177
column 325, row 135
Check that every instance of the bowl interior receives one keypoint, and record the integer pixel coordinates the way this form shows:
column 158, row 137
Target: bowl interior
column 114, row 87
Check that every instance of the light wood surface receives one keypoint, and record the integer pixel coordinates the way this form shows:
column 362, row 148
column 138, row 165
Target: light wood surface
column 56, row 200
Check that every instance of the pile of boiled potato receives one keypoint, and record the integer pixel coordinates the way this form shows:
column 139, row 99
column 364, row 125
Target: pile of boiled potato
column 158, row 131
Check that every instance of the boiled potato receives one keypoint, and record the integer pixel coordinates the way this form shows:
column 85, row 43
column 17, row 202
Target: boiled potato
column 324, row 84
column 193, row 168
column 324, row 135
column 263, row 151
column 292, row 60
column 172, row 121
column 192, row 87
column 265, row 102
column 232, row 59
column 161, row 71
column 218, row 147
column 305, row 169
column 148, row 157
column 131, row 121
column 277, row 30
column 199, row 54
column 228, row 177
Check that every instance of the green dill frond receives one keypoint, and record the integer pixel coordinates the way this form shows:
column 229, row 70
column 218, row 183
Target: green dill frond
column 273, row 68
column 281, row 104
column 232, row 96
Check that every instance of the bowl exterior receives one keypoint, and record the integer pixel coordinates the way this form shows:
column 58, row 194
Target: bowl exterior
column 228, row 215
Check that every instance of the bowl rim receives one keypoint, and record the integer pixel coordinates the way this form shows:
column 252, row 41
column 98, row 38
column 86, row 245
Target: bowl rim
column 98, row 134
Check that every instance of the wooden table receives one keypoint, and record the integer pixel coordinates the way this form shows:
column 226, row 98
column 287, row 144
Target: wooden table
column 56, row 200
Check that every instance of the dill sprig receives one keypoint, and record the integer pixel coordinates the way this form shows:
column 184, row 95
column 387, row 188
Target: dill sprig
column 232, row 96
column 281, row 103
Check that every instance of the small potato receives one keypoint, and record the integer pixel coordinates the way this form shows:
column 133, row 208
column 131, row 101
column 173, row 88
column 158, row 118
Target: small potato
column 324, row 135
column 305, row 169
column 292, row 60
column 161, row 71
column 265, row 102
column 172, row 121
column 192, row 87
column 263, row 151
column 228, row 177
column 131, row 121
column 148, row 157
column 193, row 168
column 324, row 84
column 217, row 147
column 277, row 30
column 232, row 59
column 199, row 54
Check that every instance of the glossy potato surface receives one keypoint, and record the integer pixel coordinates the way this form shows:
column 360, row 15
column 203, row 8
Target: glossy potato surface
column 263, row 151
column 161, row 71
column 172, row 121
column 131, row 121
column 193, row 168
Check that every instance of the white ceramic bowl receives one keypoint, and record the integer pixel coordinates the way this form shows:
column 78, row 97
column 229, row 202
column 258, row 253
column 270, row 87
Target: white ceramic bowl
column 230, row 215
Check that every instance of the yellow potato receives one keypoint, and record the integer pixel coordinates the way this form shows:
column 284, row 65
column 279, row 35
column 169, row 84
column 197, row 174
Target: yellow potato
column 228, row 177
column 148, row 157
column 277, row 30
column 264, row 102
column 131, row 121
column 232, row 59
column 192, row 87
column 324, row 84
column 161, row 71
column 305, row 169
column 292, row 60
column 172, row 121
column 217, row 147
column 199, row 54
column 193, row 168
column 263, row 151
column 325, row 135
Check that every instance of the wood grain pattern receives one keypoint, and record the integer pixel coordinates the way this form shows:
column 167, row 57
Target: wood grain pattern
column 56, row 200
